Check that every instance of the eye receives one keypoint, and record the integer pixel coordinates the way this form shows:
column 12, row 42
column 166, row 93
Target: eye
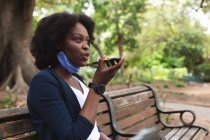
column 78, row 39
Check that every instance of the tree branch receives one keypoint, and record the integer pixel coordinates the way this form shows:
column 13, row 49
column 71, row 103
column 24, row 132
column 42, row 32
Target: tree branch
column 201, row 5
column 56, row 3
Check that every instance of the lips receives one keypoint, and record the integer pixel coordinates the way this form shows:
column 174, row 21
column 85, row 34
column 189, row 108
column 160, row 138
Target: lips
column 85, row 56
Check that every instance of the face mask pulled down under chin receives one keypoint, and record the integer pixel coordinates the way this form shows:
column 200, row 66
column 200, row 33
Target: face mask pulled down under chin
column 66, row 64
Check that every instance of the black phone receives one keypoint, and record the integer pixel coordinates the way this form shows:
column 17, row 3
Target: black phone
column 112, row 61
column 109, row 62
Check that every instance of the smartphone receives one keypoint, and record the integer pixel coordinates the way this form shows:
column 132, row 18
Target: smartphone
column 112, row 61
column 108, row 62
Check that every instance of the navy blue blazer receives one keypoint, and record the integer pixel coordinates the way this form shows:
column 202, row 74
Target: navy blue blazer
column 52, row 117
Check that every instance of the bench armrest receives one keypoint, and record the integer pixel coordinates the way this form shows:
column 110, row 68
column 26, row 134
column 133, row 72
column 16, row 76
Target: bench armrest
column 115, row 128
column 181, row 113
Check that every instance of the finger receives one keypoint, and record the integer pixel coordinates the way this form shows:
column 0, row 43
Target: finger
column 121, row 61
column 101, row 63
column 116, row 67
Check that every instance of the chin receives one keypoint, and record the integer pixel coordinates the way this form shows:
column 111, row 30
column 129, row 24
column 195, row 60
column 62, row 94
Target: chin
column 83, row 64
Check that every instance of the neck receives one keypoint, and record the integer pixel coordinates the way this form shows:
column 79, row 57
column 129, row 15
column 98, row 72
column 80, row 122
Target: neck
column 62, row 72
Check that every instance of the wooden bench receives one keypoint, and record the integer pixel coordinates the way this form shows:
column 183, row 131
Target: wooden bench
column 121, row 114
column 136, row 108
column 15, row 123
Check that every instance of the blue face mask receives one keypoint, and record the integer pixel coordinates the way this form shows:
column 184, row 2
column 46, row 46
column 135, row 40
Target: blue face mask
column 66, row 64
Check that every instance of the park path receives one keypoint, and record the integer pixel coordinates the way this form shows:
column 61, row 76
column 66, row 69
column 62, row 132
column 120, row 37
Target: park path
column 202, row 113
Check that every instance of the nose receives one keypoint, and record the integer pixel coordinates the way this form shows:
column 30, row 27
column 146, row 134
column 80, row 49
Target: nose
column 85, row 45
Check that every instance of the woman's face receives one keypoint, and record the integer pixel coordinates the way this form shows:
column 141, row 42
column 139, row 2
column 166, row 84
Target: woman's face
column 77, row 45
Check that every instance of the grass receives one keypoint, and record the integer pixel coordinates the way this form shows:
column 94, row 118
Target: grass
column 176, row 93
column 8, row 101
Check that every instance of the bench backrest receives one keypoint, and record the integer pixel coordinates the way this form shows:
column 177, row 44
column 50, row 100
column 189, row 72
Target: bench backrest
column 135, row 108
column 16, row 122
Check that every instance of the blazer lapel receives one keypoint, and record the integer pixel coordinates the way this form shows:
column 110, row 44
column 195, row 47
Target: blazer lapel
column 68, row 95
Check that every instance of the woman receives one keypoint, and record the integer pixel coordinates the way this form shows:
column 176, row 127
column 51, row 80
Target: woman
column 61, row 106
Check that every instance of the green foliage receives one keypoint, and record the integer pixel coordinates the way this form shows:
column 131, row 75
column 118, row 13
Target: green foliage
column 167, row 29
column 8, row 101
column 147, row 75
column 118, row 22
column 176, row 93
column 152, row 35
column 138, row 74
column 176, row 77
column 87, row 73
column 119, row 79
column 197, row 5
column 203, row 72
column 167, row 119
column 161, row 73
column 178, row 83
column 173, row 62
column 47, row 7
column 185, row 45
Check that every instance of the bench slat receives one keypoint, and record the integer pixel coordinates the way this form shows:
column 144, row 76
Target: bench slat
column 190, row 134
column 180, row 133
column 102, row 107
column 136, row 107
column 103, row 119
column 13, row 128
column 165, row 131
column 132, row 98
column 145, row 124
column 136, row 118
column 13, row 114
column 4, row 113
column 126, row 92
column 171, row 133
column 200, row 135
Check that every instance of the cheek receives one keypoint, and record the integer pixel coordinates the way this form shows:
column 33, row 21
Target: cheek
column 72, row 50
column 73, row 45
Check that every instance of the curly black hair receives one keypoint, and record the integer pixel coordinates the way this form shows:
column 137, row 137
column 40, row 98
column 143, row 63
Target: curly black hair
column 51, row 33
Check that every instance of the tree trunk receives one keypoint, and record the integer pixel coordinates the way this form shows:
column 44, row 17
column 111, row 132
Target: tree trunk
column 119, row 42
column 15, row 36
column 121, row 50
column 120, row 45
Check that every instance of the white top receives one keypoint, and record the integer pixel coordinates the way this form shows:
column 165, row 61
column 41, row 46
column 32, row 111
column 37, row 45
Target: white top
column 81, row 97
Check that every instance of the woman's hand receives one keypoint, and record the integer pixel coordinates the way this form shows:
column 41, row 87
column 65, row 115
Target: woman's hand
column 104, row 74
column 103, row 136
